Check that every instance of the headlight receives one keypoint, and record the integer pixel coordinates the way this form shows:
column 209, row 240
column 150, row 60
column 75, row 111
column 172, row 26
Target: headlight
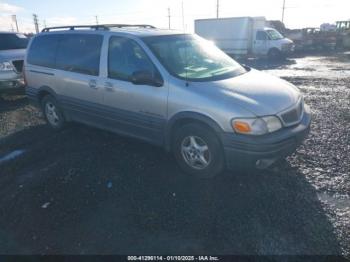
column 272, row 123
column 256, row 126
column 6, row 66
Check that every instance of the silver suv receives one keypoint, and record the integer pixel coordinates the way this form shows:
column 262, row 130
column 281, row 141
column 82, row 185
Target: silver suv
column 12, row 52
column 174, row 90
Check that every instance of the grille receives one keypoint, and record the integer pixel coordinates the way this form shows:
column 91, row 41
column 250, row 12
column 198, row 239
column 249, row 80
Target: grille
column 293, row 116
column 18, row 64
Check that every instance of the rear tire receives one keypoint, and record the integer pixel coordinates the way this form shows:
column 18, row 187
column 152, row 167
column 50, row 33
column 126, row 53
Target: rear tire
column 198, row 151
column 52, row 112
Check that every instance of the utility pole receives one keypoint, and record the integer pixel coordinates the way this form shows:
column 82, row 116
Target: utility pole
column 217, row 8
column 35, row 18
column 45, row 23
column 283, row 8
column 169, row 17
column 14, row 19
column 12, row 30
column 96, row 18
column 183, row 16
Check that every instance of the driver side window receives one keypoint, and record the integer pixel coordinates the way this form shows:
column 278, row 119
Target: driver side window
column 261, row 35
column 125, row 57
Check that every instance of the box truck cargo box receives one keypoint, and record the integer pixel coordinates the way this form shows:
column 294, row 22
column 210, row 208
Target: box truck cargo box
column 244, row 36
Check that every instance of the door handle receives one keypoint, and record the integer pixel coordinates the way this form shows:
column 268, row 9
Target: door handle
column 109, row 86
column 93, row 84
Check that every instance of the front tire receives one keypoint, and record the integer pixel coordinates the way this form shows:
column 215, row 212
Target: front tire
column 198, row 151
column 274, row 54
column 52, row 112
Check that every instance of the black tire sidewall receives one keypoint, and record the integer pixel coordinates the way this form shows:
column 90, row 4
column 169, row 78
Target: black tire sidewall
column 217, row 162
column 274, row 54
column 51, row 99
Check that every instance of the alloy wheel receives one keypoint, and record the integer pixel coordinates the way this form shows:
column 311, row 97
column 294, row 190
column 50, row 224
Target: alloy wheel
column 195, row 152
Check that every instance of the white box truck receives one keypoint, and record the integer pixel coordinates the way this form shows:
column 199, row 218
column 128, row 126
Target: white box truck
column 244, row 36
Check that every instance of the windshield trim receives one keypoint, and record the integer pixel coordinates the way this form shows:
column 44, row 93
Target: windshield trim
column 228, row 75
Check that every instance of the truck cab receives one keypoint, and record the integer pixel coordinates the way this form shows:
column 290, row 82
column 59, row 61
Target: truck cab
column 269, row 42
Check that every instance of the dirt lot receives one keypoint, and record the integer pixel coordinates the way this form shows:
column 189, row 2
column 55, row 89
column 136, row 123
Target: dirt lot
column 87, row 191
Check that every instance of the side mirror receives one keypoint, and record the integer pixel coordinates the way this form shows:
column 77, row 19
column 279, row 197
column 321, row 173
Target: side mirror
column 247, row 68
column 146, row 78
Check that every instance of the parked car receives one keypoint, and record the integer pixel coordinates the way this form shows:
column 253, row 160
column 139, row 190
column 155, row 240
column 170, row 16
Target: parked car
column 245, row 36
column 174, row 90
column 12, row 51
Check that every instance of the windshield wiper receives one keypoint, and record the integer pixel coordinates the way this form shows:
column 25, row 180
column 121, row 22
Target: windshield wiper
column 214, row 73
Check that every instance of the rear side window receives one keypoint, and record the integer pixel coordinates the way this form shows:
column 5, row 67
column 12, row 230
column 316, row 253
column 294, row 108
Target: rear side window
column 80, row 53
column 42, row 50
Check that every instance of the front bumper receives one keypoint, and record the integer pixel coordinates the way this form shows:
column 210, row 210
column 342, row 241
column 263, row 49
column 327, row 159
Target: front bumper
column 245, row 151
column 11, row 80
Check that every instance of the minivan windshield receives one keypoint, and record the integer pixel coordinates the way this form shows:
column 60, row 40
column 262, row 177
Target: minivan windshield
column 274, row 35
column 193, row 58
column 13, row 41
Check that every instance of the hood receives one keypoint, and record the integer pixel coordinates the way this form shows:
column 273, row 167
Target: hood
column 14, row 54
column 287, row 41
column 254, row 91
column 283, row 41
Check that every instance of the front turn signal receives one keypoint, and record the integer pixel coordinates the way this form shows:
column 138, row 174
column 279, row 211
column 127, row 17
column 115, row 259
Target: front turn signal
column 241, row 127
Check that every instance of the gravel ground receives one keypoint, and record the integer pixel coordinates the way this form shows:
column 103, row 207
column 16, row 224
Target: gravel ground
column 87, row 191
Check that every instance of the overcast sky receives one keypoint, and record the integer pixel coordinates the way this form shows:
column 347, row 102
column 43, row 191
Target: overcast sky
column 298, row 13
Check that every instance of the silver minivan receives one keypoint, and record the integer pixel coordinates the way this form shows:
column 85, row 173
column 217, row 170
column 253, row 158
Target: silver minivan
column 171, row 89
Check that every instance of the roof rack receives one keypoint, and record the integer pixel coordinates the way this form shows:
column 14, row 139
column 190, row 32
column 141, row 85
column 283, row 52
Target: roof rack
column 127, row 25
column 96, row 27
column 74, row 27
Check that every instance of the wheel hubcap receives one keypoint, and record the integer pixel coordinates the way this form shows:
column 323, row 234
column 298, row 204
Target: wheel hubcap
column 196, row 152
column 51, row 114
